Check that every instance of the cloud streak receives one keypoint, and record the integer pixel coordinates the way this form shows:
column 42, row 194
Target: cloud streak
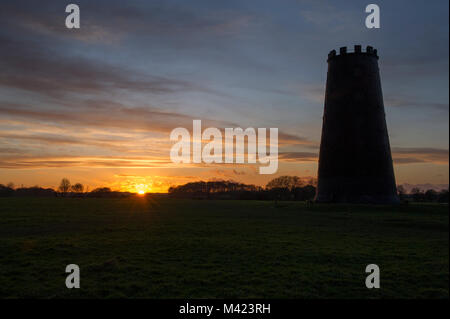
column 410, row 155
column 33, row 67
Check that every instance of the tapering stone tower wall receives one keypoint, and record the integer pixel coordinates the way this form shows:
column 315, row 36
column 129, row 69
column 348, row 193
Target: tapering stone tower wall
column 355, row 162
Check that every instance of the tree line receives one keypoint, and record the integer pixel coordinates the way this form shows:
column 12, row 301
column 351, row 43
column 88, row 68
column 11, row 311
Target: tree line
column 65, row 189
column 280, row 188
column 418, row 195
column 283, row 188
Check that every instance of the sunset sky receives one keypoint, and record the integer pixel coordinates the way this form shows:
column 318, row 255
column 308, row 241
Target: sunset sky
column 97, row 104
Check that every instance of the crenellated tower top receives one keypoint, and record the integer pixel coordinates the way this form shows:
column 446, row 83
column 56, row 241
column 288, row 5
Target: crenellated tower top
column 343, row 51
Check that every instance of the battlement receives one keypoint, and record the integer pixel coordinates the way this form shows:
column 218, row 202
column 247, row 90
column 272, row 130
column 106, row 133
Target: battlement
column 357, row 50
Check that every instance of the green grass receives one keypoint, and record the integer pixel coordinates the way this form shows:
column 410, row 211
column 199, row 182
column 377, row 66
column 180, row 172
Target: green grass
column 162, row 248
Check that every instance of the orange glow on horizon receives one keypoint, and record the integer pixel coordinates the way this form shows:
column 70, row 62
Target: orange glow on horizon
column 141, row 184
column 142, row 189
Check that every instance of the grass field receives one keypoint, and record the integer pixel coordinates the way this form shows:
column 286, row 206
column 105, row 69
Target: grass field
column 162, row 248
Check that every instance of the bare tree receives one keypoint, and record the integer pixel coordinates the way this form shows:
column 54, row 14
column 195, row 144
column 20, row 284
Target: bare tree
column 77, row 188
column 64, row 187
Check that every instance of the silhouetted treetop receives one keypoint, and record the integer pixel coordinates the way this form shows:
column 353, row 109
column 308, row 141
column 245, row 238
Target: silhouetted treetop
column 289, row 182
column 64, row 186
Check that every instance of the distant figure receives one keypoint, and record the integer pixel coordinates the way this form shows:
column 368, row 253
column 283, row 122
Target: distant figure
column 355, row 163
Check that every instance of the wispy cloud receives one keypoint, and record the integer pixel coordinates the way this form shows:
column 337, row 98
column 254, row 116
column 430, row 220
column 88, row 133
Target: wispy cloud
column 401, row 155
column 34, row 67
column 408, row 155
column 399, row 101
column 109, row 21
column 298, row 156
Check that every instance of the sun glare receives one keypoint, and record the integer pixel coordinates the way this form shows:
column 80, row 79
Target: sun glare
column 142, row 189
column 139, row 186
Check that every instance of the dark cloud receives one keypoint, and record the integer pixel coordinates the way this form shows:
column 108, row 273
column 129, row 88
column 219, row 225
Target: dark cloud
column 107, row 21
column 34, row 67
column 80, row 161
column 102, row 116
column 36, row 140
column 11, row 150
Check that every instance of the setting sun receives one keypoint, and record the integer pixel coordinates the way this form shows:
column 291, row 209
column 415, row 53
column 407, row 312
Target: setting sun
column 142, row 189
